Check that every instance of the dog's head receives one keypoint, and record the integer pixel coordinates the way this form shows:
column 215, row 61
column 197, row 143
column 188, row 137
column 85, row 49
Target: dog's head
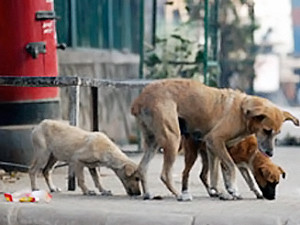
column 264, row 119
column 267, row 177
column 130, row 177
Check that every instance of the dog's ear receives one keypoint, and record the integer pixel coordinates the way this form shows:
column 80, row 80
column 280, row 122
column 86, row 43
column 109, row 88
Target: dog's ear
column 282, row 172
column 264, row 172
column 252, row 107
column 129, row 170
column 288, row 116
column 256, row 114
column 267, row 174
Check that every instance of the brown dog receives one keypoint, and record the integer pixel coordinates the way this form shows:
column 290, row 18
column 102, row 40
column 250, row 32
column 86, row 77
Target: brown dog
column 222, row 116
column 246, row 156
column 57, row 141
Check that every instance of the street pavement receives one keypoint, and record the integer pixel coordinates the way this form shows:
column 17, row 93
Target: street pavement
column 73, row 208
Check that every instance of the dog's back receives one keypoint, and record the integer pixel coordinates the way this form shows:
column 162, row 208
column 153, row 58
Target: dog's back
column 58, row 138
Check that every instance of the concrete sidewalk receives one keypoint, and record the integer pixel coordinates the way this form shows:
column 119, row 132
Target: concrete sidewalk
column 74, row 208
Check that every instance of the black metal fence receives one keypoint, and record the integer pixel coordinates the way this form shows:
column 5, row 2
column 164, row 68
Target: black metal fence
column 73, row 82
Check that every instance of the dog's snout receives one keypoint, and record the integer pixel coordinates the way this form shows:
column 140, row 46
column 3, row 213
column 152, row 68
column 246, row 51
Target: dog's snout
column 271, row 197
column 133, row 193
column 269, row 191
column 269, row 153
column 266, row 147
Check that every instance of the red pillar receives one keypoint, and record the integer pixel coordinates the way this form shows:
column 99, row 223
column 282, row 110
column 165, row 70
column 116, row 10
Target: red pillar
column 27, row 48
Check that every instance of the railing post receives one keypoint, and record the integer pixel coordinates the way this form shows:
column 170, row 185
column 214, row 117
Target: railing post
column 74, row 105
column 74, row 120
column 95, row 121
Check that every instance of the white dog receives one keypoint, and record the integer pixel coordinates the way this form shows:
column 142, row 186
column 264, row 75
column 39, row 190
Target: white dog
column 57, row 141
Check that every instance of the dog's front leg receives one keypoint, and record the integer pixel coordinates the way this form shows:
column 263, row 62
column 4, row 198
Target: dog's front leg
column 251, row 183
column 217, row 151
column 80, row 178
column 95, row 176
column 227, row 181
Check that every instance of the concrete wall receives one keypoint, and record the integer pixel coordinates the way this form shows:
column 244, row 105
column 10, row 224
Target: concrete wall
column 114, row 104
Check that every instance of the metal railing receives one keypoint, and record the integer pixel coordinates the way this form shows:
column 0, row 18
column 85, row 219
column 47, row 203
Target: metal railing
column 74, row 83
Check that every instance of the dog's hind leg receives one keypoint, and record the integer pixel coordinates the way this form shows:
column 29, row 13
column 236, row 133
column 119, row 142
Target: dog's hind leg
column 190, row 156
column 40, row 159
column 47, row 172
column 205, row 168
column 33, row 171
column 213, row 165
column 170, row 153
column 37, row 165
column 160, row 129
column 169, row 141
column 149, row 152
column 95, row 176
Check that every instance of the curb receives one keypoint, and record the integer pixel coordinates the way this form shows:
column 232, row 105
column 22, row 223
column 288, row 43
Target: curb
column 45, row 214
column 30, row 214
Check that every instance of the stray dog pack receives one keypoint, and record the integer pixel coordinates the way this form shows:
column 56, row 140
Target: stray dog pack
column 223, row 116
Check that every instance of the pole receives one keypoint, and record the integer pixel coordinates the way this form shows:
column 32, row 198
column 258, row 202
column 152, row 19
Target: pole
column 73, row 27
column 206, row 30
column 141, row 65
column 74, row 119
column 154, row 23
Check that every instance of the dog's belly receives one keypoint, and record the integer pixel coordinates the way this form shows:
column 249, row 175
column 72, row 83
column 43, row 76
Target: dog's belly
column 92, row 164
column 67, row 153
column 63, row 154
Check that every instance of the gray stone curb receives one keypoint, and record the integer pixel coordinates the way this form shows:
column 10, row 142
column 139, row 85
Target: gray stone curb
column 31, row 214
column 47, row 214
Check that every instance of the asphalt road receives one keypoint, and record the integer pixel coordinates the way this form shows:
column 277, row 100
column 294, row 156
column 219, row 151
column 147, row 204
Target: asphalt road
column 202, row 210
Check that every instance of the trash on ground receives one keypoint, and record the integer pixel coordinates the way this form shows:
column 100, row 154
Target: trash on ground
column 25, row 196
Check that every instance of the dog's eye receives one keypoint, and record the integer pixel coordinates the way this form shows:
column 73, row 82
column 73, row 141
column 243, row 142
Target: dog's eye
column 137, row 179
column 267, row 132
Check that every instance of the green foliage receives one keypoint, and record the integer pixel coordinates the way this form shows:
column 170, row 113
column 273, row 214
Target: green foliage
column 237, row 44
column 174, row 56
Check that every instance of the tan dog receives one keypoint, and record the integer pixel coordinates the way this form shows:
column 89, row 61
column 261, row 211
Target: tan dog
column 57, row 141
column 222, row 116
column 247, row 157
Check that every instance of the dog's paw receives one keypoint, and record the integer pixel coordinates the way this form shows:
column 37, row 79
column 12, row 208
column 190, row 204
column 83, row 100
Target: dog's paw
column 235, row 194
column 147, row 196
column 90, row 193
column 106, row 193
column 157, row 197
column 213, row 192
column 225, row 197
column 237, row 197
column 259, row 196
column 55, row 189
column 185, row 196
